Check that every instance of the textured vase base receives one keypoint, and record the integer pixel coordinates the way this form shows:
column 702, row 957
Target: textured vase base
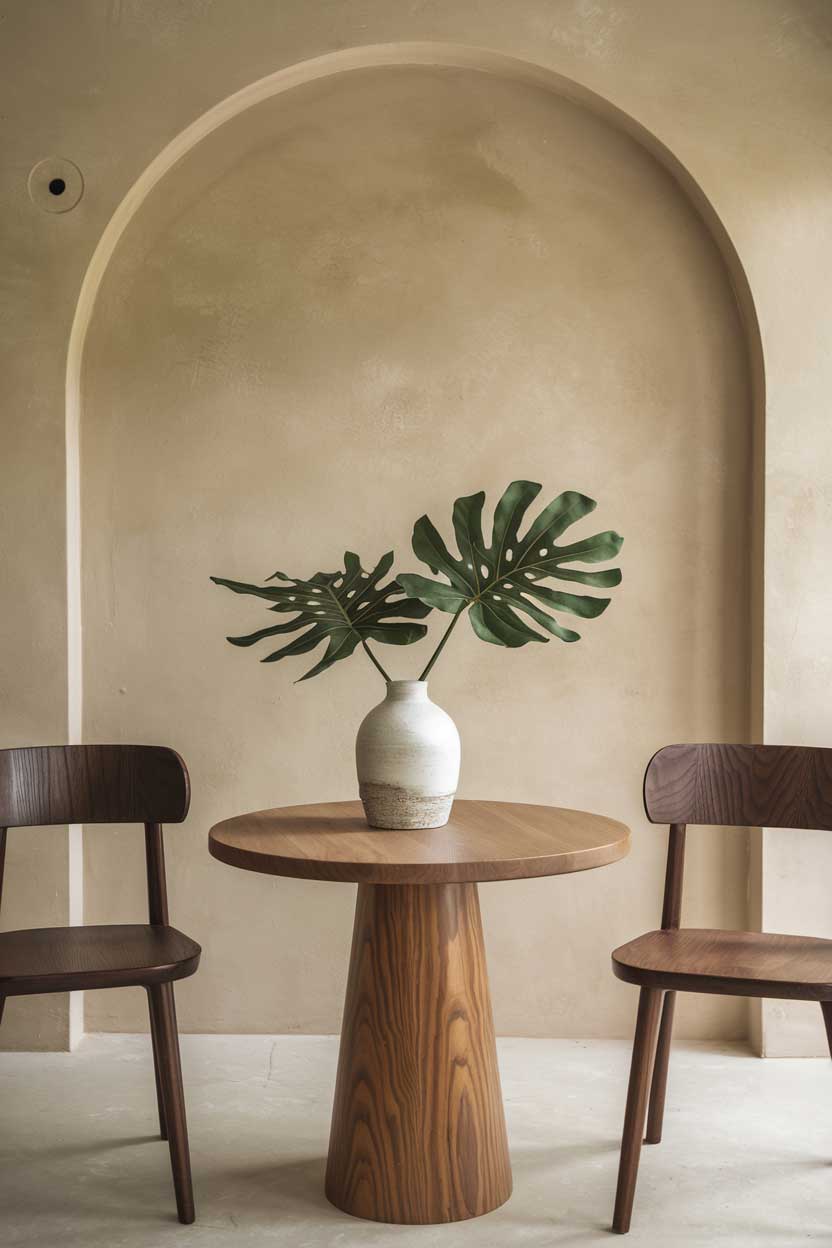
column 387, row 806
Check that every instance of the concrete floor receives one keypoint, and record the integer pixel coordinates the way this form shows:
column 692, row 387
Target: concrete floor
column 747, row 1156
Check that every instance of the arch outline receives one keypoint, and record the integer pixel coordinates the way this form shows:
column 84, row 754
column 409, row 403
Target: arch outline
column 404, row 54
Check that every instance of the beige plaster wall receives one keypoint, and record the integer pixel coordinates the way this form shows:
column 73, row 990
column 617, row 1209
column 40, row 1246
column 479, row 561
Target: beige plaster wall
column 40, row 277
column 741, row 94
column 349, row 305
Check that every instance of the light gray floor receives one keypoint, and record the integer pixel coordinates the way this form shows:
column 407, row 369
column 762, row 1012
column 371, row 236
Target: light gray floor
column 746, row 1160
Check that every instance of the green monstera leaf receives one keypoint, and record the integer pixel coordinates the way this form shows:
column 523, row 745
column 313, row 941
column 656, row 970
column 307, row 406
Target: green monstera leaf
column 339, row 608
column 500, row 583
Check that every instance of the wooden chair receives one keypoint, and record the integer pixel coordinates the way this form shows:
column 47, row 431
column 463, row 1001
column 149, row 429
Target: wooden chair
column 108, row 784
column 744, row 786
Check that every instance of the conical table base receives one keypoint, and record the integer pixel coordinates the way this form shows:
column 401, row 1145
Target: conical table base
column 418, row 1131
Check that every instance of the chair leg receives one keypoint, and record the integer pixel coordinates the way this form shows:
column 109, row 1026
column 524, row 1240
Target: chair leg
column 163, row 1011
column 826, row 1006
column 154, row 1039
column 643, row 1049
column 2, row 1006
column 658, row 1088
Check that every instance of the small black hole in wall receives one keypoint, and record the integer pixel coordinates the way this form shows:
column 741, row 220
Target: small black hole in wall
column 57, row 186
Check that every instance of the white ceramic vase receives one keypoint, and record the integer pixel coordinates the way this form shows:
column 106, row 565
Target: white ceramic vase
column 407, row 753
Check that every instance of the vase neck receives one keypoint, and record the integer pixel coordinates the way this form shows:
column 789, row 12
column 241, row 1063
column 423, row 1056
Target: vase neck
column 407, row 691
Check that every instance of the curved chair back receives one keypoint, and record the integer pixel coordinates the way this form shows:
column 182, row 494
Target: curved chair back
column 92, row 784
column 49, row 784
column 775, row 786
column 60, row 784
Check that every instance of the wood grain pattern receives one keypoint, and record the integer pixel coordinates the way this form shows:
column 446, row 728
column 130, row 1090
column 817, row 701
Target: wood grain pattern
column 671, row 918
column 826, row 1007
column 674, row 877
column 643, row 1049
column 156, row 1045
column 744, row 964
column 2, row 868
column 740, row 785
column 775, row 786
column 481, row 841
column 418, row 1134
column 108, row 784
column 66, row 959
column 2, row 859
column 169, row 1069
column 51, row 784
column 157, row 887
column 658, row 1084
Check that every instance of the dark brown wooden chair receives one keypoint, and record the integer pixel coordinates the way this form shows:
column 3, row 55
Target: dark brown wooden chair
column 108, row 784
column 743, row 786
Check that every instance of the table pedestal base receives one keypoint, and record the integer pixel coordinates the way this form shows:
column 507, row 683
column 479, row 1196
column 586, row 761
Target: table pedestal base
column 418, row 1133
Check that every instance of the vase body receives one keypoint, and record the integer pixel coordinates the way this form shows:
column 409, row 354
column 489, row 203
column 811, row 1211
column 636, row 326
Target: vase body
column 407, row 754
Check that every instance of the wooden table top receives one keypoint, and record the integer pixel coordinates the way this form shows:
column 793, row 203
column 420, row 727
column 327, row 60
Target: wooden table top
column 481, row 841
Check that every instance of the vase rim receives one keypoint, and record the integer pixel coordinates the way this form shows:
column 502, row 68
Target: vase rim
column 405, row 688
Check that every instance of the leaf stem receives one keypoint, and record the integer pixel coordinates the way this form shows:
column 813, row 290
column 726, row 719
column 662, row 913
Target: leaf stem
column 375, row 661
column 439, row 648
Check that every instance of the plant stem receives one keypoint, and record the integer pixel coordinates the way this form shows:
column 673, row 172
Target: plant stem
column 438, row 649
column 375, row 661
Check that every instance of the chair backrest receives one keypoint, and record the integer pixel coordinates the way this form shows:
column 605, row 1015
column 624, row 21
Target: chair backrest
column 775, row 786
column 92, row 784
column 146, row 784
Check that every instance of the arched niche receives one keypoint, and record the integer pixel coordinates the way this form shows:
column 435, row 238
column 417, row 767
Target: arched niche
column 351, row 293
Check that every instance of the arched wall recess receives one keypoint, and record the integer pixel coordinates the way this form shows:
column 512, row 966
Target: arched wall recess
column 379, row 56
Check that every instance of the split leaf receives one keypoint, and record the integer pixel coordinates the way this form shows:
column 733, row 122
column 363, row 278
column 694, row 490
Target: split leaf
column 339, row 608
column 500, row 583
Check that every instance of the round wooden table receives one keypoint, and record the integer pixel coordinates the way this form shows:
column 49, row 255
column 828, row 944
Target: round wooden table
column 418, row 1133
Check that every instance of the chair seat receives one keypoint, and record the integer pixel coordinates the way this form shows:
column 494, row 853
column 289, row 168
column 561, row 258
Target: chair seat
column 748, row 964
column 61, row 959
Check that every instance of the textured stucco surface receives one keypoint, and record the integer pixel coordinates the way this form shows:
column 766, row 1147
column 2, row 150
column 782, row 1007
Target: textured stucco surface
column 349, row 305
column 741, row 94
